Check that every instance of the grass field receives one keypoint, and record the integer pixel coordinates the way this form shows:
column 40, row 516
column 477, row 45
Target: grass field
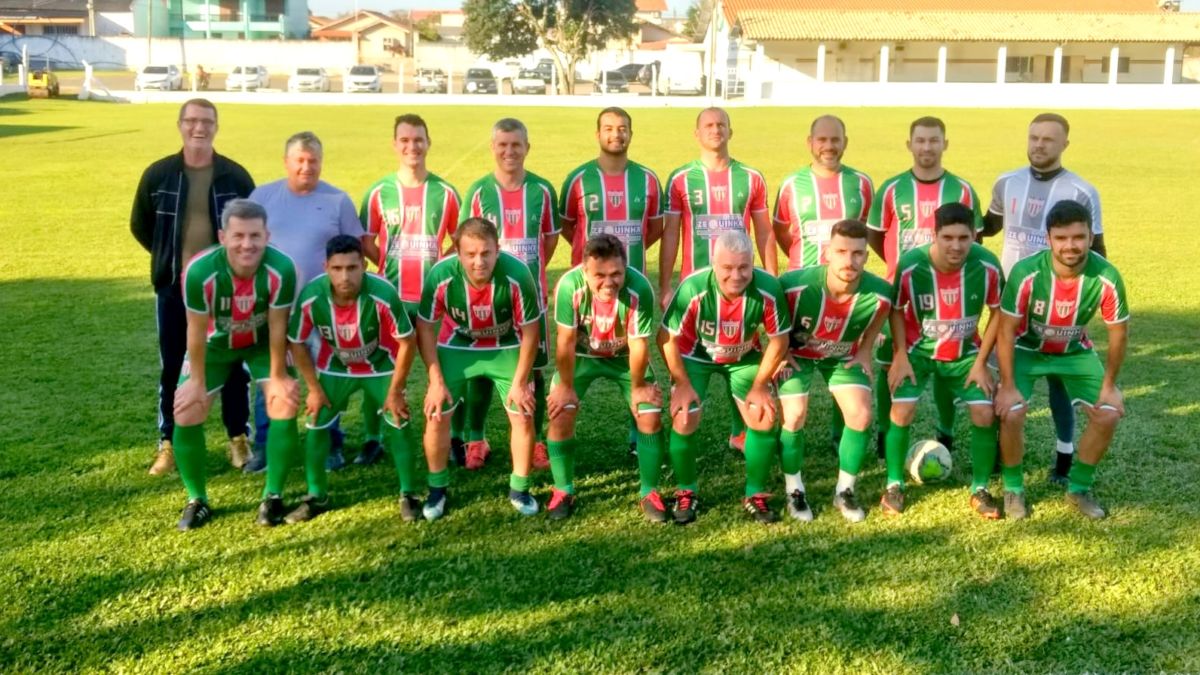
column 95, row 578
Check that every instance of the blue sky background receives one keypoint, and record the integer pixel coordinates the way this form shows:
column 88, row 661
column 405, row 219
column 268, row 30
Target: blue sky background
column 334, row 7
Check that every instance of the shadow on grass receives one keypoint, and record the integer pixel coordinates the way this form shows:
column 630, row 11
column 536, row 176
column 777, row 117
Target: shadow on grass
column 12, row 130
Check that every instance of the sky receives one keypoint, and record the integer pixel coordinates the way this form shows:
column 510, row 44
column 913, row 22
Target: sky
column 334, row 7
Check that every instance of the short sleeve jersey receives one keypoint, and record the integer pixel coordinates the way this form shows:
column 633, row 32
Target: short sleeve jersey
column 603, row 328
column 411, row 226
column 822, row 327
column 523, row 217
column 711, row 328
column 360, row 339
column 1024, row 200
column 1054, row 312
column 711, row 202
column 622, row 205
column 237, row 308
column 903, row 210
column 809, row 205
column 489, row 317
column 942, row 309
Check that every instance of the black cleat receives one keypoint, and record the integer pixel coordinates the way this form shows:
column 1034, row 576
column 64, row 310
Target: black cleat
column 458, row 451
column 1015, row 507
column 336, row 461
column 436, row 504
column 798, row 507
column 370, row 453
column 985, row 504
column 759, row 509
column 846, row 503
column 561, row 506
column 271, row 512
column 685, row 507
column 892, row 501
column 410, row 508
column 195, row 514
column 309, row 508
column 946, row 440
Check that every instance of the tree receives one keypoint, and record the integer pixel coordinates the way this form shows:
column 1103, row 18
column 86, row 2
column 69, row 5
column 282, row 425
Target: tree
column 427, row 28
column 568, row 29
column 698, row 15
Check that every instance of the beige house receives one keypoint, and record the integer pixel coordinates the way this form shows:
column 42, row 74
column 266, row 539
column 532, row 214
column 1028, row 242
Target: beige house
column 380, row 39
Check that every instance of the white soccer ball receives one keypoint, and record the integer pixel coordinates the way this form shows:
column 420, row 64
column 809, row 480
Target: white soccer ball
column 928, row 462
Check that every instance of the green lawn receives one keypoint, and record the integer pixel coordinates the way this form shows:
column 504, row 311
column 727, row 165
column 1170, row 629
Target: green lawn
column 95, row 577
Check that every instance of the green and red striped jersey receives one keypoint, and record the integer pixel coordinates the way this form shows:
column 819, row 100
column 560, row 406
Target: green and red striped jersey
column 711, row 202
column 359, row 339
column 711, row 328
column 822, row 327
column 942, row 309
column 810, row 205
column 1054, row 312
column 411, row 226
column 489, row 317
column 620, row 205
column 603, row 329
column 523, row 217
column 236, row 307
column 903, row 210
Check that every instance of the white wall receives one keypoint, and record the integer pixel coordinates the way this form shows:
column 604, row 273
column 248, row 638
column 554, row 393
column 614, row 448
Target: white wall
column 215, row 55
column 114, row 23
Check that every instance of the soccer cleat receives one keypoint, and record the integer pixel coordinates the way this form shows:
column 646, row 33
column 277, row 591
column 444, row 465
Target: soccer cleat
column 1015, row 507
column 437, row 504
column 738, row 443
column 759, row 509
column 633, row 449
column 258, row 460
column 523, row 502
column 477, row 454
column 892, row 501
column 270, row 512
column 686, row 505
column 370, row 453
column 947, row 441
column 410, row 508
column 1085, row 503
column 336, row 461
column 798, row 507
column 195, row 514
column 653, row 508
column 309, row 508
column 458, row 451
column 541, row 456
column 847, row 504
column 561, row 505
column 985, row 504
column 164, row 460
column 239, row 451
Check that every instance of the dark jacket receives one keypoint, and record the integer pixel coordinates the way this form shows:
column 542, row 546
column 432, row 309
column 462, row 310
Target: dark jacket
column 160, row 202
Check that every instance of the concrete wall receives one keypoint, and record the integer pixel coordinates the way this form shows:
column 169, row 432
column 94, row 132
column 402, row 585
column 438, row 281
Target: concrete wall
column 111, row 53
column 111, row 24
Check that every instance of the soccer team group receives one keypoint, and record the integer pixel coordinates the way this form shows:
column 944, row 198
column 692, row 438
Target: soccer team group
column 462, row 282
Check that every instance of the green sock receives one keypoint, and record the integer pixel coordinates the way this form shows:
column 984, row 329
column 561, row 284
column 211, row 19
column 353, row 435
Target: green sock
column 633, row 430
column 371, row 419
column 983, row 455
column 1014, row 478
column 792, row 453
column 683, row 460
column 896, row 450
column 518, row 483
column 883, row 403
column 479, row 400
column 943, row 399
column 401, row 446
column 760, row 452
column 282, row 440
column 458, row 421
column 316, row 451
column 1081, row 477
column 539, row 405
column 737, row 425
column 649, row 447
column 190, row 457
column 438, row 479
column 562, row 464
column 852, row 451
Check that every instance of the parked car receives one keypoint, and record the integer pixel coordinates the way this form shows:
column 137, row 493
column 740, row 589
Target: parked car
column 308, row 79
column 612, row 81
column 545, row 70
column 363, row 78
column 631, row 71
column 247, row 78
column 480, row 81
column 431, row 81
column 646, row 74
column 528, row 82
column 163, row 78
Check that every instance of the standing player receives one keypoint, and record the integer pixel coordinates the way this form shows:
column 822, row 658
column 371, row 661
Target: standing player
column 901, row 219
column 604, row 308
column 238, row 295
column 480, row 317
column 711, row 327
column 521, row 204
column 940, row 292
column 365, row 342
column 706, row 197
column 1049, row 299
column 409, row 217
column 1021, row 201
column 837, row 309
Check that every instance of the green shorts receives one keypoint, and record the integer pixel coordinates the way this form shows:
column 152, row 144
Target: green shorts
column 588, row 370
column 740, row 377
column 461, row 365
column 1082, row 374
column 884, row 346
column 339, row 388
column 798, row 382
column 219, row 363
column 952, row 373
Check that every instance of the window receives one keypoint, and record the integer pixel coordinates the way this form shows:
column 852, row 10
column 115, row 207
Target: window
column 1122, row 64
column 60, row 29
column 1019, row 64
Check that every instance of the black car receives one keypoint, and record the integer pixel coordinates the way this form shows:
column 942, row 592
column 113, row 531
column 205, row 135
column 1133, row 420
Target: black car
column 480, row 81
column 631, row 71
column 545, row 70
column 612, row 81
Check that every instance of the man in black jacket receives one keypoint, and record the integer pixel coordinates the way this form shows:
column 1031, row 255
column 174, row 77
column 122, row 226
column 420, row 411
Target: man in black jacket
column 176, row 212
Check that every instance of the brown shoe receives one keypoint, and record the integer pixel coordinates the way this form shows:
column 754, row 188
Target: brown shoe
column 239, row 451
column 164, row 461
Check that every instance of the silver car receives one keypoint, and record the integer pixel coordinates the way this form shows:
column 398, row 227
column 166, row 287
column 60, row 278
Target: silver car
column 363, row 78
column 309, row 79
column 248, row 78
column 165, row 78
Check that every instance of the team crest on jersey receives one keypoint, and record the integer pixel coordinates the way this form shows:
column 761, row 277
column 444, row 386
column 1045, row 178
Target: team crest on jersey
column 347, row 333
column 482, row 312
column 949, row 296
column 614, row 198
column 831, row 323
column 512, row 216
column 1063, row 308
column 1034, row 207
column 730, row 328
column 718, row 193
column 927, row 208
column 603, row 323
column 412, row 214
column 926, row 300
column 244, row 303
column 830, row 200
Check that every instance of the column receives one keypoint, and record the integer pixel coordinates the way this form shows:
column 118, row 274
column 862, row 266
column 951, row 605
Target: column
column 821, row 62
column 1002, row 64
column 1056, row 67
column 1114, row 63
column 1169, row 66
column 883, row 63
column 941, row 72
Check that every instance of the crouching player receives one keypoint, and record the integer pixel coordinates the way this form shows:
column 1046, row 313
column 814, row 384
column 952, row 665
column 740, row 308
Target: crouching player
column 837, row 310
column 1049, row 299
column 711, row 327
column 365, row 342
column 605, row 313
column 479, row 318
column 237, row 294
column 940, row 292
